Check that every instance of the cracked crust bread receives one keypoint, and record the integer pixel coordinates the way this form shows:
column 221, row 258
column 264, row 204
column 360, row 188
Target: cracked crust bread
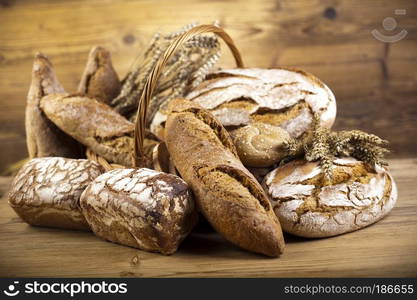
column 44, row 138
column 279, row 97
column 225, row 191
column 100, row 80
column 46, row 191
column 357, row 196
column 140, row 208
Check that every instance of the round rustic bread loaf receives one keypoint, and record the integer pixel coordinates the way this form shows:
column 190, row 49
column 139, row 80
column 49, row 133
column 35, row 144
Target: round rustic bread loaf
column 280, row 97
column 46, row 191
column 141, row 208
column 308, row 205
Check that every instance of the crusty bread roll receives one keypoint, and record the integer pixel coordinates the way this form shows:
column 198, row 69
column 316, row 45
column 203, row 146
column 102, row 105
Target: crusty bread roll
column 94, row 124
column 227, row 194
column 46, row 191
column 280, row 97
column 307, row 205
column 43, row 138
column 97, row 126
column 259, row 144
column 141, row 208
column 100, row 80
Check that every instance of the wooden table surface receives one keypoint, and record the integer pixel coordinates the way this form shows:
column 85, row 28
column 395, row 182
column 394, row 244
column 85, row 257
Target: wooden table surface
column 387, row 248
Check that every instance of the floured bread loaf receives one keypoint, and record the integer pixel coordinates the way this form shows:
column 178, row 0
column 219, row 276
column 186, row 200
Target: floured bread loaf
column 100, row 80
column 140, row 208
column 309, row 206
column 46, row 191
column 279, row 97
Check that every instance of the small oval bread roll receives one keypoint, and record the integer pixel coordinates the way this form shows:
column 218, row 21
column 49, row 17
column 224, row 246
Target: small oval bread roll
column 46, row 191
column 309, row 206
column 140, row 208
column 259, row 144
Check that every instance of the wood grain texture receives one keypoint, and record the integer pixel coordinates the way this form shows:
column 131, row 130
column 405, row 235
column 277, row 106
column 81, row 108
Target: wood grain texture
column 387, row 248
column 374, row 83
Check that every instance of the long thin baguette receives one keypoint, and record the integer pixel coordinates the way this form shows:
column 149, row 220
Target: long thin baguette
column 227, row 194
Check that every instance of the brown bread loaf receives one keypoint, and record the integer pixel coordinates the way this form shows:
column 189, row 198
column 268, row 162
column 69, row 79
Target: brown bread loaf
column 43, row 138
column 309, row 206
column 94, row 124
column 46, row 191
column 227, row 194
column 141, row 208
column 97, row 126
column 100, row 80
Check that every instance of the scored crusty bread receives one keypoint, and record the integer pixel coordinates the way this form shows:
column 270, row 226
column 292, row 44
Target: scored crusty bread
column 309, row 206
column 227, row 194
column 94, row 124
column 43, row 138
column 100, row 80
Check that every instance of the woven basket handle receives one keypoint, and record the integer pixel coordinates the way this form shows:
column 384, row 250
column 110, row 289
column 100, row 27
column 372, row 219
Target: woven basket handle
column 156, row 73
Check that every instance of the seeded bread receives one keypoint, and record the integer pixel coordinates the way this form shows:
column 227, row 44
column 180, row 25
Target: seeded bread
column 227, row 194
column 46, row 191
column 140, row 208
column 309, row 206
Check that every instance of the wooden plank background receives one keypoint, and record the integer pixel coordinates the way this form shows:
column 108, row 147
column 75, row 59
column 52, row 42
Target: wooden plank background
column 374, row 83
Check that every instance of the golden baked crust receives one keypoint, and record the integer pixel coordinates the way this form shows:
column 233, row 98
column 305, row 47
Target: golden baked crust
column 227, row 194
column 94, row 124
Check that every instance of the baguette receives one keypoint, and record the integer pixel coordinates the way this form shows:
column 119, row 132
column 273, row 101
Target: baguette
column 226, row 193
